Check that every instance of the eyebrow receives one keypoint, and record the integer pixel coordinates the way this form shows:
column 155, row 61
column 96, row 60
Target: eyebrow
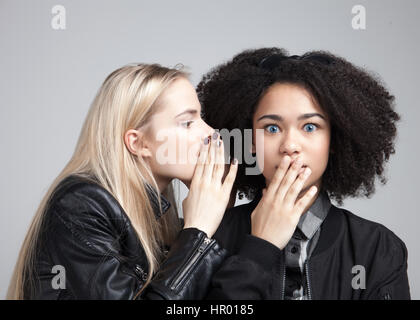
column 191, row 111
column 280, row 118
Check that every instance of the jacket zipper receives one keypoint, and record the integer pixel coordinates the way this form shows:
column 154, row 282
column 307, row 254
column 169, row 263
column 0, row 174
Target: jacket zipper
column 203, row 246
column 283, row 282
column 308, row 280
column 140, row 273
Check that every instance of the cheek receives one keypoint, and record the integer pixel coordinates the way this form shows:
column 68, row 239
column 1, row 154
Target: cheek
column 317, row 159
column 184, row 142
column 175, row 153
column 262, row 149
column 267, row 157
column 188, row 145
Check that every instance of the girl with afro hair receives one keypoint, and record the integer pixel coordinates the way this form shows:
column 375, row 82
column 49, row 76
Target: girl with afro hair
column 322, row 129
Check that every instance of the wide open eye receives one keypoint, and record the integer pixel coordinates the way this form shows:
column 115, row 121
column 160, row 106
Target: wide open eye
column 310, row 127
column 272, row 128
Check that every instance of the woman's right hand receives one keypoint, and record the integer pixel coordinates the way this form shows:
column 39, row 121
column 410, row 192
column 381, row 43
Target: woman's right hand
column 208, row 196
column 277, row 214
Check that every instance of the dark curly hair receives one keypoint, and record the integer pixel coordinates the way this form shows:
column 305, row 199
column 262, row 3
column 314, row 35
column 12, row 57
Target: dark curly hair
column 360, row 109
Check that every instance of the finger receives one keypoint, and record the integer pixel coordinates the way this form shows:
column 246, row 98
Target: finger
column 303, row 202
column 278, row 176
column 297, row 186
column 288, row 179
column 199, row 168
column 209, row 166
column 219, row 167
column 230, row 178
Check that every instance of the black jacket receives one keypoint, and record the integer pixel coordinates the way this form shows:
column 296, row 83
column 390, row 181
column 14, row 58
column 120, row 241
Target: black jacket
column 86, row 231
column 256, row 270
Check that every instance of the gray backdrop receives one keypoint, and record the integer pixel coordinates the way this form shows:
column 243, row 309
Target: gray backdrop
column 49, row 78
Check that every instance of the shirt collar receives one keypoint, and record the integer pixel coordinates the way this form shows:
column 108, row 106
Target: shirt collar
column 153, row 197
column 310, row 221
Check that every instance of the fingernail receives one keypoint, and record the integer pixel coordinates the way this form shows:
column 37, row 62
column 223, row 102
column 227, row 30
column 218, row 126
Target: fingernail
column 235, row 161
column 215, row 135
column 206, row 141
column 219, row 143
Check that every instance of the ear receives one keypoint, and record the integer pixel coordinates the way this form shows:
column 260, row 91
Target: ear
column 136, row 143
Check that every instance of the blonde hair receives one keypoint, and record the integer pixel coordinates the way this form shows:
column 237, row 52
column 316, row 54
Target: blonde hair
column 124, row 101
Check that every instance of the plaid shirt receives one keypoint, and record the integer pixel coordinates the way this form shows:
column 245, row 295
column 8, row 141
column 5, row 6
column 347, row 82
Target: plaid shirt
column 301, row 246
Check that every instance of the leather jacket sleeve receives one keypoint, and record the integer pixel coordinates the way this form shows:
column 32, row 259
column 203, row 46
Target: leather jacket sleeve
column 84, row 233
column 187, row 271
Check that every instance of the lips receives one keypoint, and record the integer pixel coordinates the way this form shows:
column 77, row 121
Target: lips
column 304, row 166
column 301, row 169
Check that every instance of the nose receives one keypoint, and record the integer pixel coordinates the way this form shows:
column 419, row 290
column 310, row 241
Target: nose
column 290, row 145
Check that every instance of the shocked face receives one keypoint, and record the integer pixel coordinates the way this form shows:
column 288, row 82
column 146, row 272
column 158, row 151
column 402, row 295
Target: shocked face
column 291, row 123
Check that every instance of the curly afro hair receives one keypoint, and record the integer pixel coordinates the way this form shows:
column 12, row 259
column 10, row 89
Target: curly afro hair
column 360, row 109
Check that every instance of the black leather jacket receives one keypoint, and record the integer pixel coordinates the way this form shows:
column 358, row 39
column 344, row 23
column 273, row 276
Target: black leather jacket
column 255, row 268
column 86, row 231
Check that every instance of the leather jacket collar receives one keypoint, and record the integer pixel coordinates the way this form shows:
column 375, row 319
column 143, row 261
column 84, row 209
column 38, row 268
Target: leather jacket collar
column 153, row 197
column 151, row 192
